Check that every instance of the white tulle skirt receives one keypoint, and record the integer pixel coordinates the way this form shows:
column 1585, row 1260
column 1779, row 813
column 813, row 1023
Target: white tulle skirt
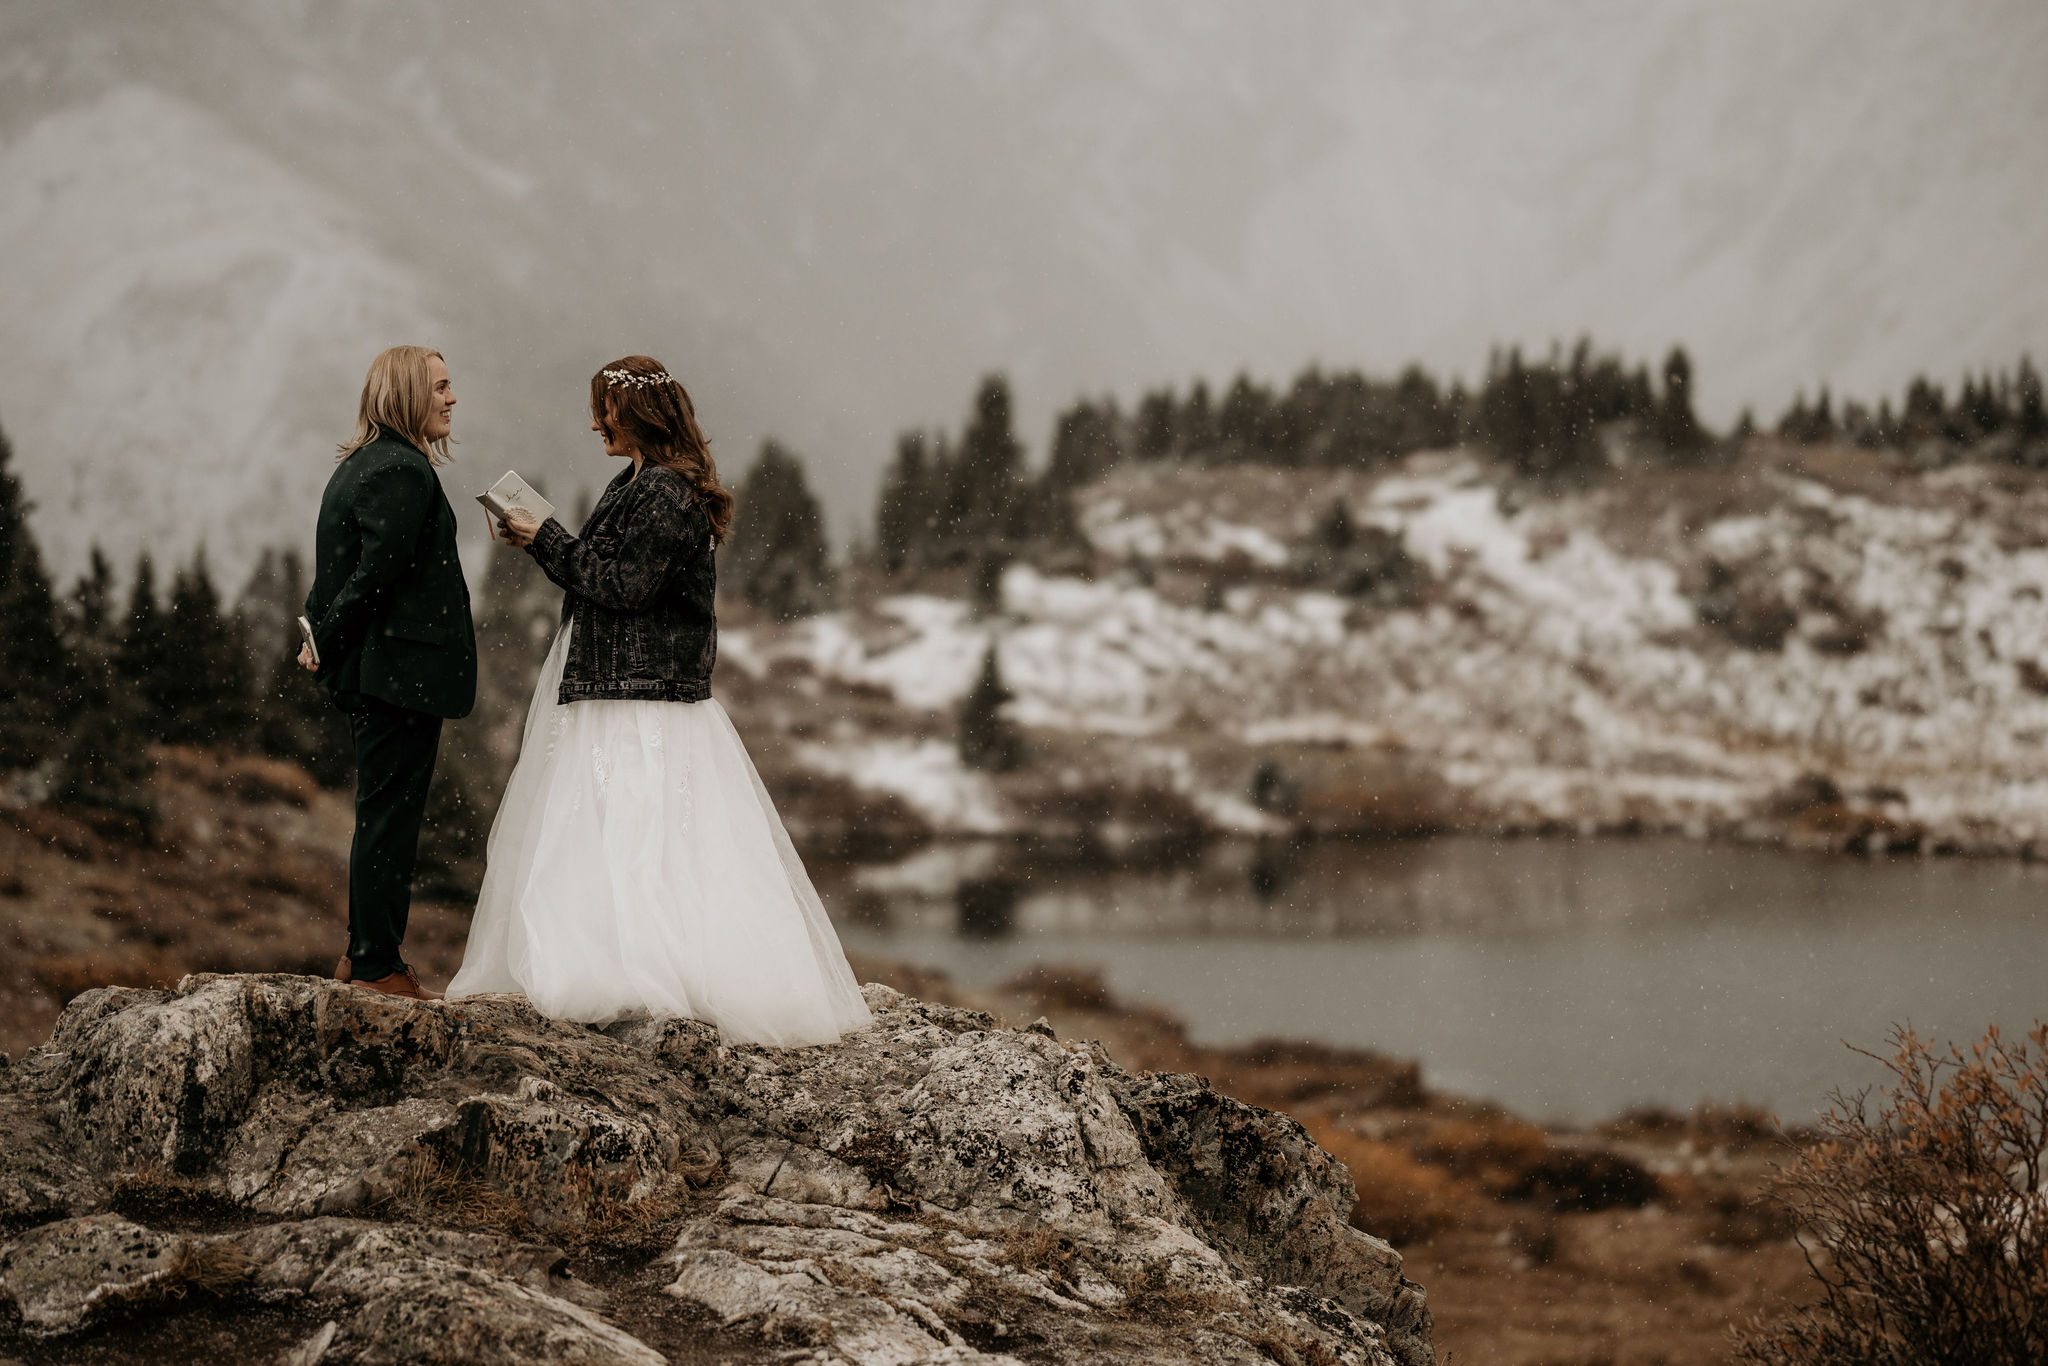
column 637, row 863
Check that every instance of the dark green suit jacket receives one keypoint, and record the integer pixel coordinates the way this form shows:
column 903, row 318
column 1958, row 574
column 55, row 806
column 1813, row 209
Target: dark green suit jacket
column 389, row 606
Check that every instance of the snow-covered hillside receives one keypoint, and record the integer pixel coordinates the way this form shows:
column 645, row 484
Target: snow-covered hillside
column 1810, row 646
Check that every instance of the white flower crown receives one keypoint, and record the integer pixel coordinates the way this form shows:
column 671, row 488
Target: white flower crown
column 633, row 379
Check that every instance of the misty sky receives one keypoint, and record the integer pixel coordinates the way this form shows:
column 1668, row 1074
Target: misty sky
column 832, row 218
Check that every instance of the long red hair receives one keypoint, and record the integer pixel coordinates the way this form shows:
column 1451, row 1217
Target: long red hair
column 637, row 398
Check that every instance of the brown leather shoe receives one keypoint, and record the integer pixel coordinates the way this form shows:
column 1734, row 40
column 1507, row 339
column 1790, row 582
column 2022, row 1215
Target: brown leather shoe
column 344, row 971
column 404, row 982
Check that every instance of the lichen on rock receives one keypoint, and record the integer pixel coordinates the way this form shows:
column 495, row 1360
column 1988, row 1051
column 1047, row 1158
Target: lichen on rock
column 935, row 1188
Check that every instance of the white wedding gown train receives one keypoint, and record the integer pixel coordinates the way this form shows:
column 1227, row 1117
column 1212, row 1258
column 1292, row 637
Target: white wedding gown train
column 637, row 863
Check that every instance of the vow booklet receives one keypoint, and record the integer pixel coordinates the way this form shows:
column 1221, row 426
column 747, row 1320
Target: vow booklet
column 513, row 492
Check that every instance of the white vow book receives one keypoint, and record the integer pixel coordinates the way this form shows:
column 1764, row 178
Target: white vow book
column 511, row 493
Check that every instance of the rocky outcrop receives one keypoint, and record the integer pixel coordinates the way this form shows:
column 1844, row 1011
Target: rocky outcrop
column 470, row 1181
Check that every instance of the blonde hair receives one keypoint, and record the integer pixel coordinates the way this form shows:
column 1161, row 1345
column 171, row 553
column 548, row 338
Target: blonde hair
column 398, row 397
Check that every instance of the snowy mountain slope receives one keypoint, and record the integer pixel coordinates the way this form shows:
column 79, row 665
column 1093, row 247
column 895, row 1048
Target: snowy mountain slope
column 171, row 303
column 1565, row 666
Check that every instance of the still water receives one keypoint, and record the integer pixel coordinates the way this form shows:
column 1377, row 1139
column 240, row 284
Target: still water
column 1567, row 980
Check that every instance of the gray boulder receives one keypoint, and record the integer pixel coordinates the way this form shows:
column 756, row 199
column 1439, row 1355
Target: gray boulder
column 471, row 1181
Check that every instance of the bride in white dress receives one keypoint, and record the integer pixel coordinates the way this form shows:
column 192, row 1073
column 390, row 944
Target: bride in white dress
column 637, row 862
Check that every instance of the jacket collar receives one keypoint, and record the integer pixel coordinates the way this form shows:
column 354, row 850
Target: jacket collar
column 384, row 433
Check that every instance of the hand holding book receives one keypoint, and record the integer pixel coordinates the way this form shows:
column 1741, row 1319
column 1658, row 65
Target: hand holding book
column 519, row 509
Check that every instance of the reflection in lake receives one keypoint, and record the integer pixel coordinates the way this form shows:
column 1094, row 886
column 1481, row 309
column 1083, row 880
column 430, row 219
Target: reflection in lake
column 1565, row 979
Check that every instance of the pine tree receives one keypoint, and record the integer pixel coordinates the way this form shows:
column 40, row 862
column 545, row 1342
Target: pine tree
column 92, row 600
column 1507, row 406
column 1197, row 423
column 1422, row 420
column 906, row 509
column 1538, row 419
column 986, row 499
column 1084, row 446
column 1796, row 421
column 1286, row 436
column 106, row 762
column 37, row 690
column 1156, row 421
column 985, row 591
column 205, row 697
column 777, row 551
column 1241, row 420
column 1675, row 426
column 1823, row 417
column 2029, row 414
column 139, row 659
column 1926, row 410
column 987, row 741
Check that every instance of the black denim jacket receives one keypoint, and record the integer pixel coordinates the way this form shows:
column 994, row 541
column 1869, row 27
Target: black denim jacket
column 640, row 582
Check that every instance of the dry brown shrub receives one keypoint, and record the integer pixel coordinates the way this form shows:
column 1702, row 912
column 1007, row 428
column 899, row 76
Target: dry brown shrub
column 1399, row 1198
column 60, row 830
column 1746, row 1222
column 1644, row 1121
column 1284, row 1073
column 927, row 984
column 1737, row 1126
column 1396, row 807
column 1070, row 986
column 66, row 975
column 1928, row 1217
column 253, row 778
column 1512, row 1159
column 245, row 777
column 1496, row 1152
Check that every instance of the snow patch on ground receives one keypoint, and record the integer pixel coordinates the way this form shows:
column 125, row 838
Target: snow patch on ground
column 926, row 774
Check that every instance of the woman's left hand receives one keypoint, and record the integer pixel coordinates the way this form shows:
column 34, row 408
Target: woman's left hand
column 519, row 527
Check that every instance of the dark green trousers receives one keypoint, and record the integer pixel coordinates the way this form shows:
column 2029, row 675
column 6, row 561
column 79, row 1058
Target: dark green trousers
column 394, row 767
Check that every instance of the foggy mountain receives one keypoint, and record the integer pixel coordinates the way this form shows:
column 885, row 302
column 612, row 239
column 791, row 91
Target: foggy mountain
column 831, row 219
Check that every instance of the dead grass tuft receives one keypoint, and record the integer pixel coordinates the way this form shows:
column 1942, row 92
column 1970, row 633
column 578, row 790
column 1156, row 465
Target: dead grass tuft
column 159, row 1198
column 643, row 1227
column 1038, row 1248
column 1399, row 1198
column 435, row 1190
column 208, row 1266
column 1151, row 1292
